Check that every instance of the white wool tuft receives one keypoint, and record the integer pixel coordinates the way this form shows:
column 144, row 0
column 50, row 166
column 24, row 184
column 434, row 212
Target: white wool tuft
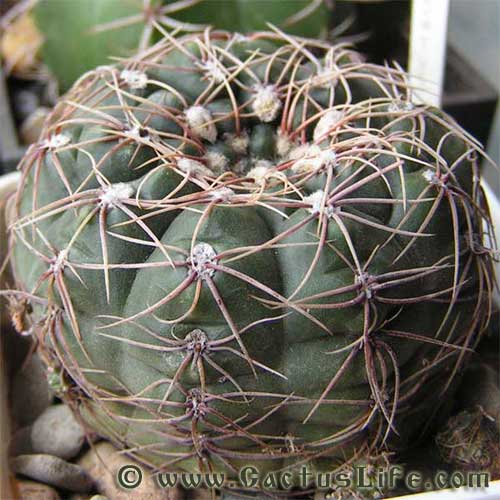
column 430, row 176
column 326, row 123
column 193, row 167
column 283, row 143
column 135, row 133
column 114, row 193
column 213, row 71
column 326, row 77
column 260, row 172
column 59, row 262
column 316, row 201
column 238, row 143
column 56, row 141
column 217, row 161
column 134, row 79
column 400, row 106
column 223, row 194
column 266, row 103
column 310, row 157
column 199, row 120
column 203, row 254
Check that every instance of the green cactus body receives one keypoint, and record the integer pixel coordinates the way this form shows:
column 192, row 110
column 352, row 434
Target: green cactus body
column 252, row 250
column 83, row 34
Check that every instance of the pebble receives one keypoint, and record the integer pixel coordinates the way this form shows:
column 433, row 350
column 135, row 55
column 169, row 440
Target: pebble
column 321, row 495
column 29, row 490
column 54, row 471
column 203, row 494
column 77, row 496
column 30, row 393
column 57, row 432
column 20, row 442
column 102, row 463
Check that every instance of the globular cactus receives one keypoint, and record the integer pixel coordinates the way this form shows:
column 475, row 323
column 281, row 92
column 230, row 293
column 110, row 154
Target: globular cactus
column 82, row 34
column 252, row 250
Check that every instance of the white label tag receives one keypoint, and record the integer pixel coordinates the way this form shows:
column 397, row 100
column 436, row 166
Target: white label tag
column 429, row 27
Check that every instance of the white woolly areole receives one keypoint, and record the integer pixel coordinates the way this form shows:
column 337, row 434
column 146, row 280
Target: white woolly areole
column 283, row 143
column 317, row 207
column 430, row 176
column 213, row 71
column 223, row 194
column 362, row 279
column 326, row 123
column 240, row 38
column 216, row 161
column 329, row 157
column 304, row 150
column 203, row 254
column 266, row 103
column 193, row 167
column 326, row 77
column 58, row 263
column 263, row 164
column 114, row 193
column 399, row 106
column 260, row 172
column 56, row 141
column 197, row 340
column 199, row 120
column 306, row 158
column 238, row 143
column 135, row 133
column 316, row 201
column 310, row 157
column 134, row 79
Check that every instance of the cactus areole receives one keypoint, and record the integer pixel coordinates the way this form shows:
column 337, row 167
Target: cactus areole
column 252, row 250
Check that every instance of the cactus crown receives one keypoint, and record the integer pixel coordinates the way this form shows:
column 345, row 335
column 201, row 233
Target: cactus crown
column 252, row 249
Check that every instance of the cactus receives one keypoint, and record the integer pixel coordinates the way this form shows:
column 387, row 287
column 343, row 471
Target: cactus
column 81, row 35
column 252, row 250
column 469, row 441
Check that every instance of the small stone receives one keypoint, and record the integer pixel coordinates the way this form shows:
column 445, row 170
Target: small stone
column 20, row 443
column 88, row 497
column 29, row 490
column 202, row 494
column 57, row 432
column 321, row 495
column 54, row 471
column 79, row 496
column 103, row 462
column 30, row 394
